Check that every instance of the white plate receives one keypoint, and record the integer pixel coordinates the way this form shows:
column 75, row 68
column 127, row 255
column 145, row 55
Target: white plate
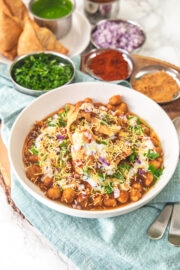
column 79, row 36
column 76, row 40
column 138, row 103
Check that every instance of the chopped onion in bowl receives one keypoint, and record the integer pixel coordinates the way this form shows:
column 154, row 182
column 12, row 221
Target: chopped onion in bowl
column 118, row 34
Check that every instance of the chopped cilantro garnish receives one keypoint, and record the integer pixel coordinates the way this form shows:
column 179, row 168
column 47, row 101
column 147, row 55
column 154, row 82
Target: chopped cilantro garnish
column 152, row 155
column 66, row 108
column 139, row 121
column 133, row 155
column 109, row 188
column 64, row 143
column 33, row 150
column 101, row 175
column 130, row 116
column 49, row 119
column 119, row 176
column 104, row 122
column 62, row 122
column 155, row 172
column 102, row 142
column 124, row 166
column 51, row 125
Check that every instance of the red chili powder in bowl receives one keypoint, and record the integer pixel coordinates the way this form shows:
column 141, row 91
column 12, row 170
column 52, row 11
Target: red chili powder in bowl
column 109, row 65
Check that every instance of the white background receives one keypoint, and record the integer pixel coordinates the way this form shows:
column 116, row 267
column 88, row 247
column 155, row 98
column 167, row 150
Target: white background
column 21, row 245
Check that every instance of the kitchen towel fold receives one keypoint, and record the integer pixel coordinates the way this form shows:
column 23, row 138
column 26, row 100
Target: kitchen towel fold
column 92, row 244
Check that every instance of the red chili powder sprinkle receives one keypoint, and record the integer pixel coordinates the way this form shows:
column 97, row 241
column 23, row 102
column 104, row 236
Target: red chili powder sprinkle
column 109, row 66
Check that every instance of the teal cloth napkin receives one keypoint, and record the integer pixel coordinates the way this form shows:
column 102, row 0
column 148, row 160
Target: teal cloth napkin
column 93, row 244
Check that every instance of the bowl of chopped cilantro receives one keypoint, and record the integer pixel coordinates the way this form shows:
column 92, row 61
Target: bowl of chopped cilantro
column 37, row 73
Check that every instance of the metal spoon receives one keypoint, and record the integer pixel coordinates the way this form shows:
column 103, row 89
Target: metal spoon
column 174, row 230
column 158, row 227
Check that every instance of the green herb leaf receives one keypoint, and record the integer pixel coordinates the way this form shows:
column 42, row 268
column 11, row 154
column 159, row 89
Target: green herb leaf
column 33, row 150
column 155, row 172
column 109, row 188
column 139, row 121
column 102, row 142
column 101, row 175
column 51, row 125
column 152, row 155
column 104, row 122
column 66, row 108
column 64, row 143
column 124, row 166
column 133, row 155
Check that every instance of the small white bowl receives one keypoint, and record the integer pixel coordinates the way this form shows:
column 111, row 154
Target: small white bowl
column 138, row 103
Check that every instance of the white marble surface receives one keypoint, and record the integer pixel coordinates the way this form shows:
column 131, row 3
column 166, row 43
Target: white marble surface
column 21, row 245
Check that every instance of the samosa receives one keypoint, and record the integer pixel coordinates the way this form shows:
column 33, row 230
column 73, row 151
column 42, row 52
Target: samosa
column 12, row 15
column 35, row 38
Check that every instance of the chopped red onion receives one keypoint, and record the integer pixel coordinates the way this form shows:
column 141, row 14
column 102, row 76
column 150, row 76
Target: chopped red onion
column 118, row 34
column 104, row 161
column 60, row 137
column 116, row 193
column 138, row 161
column 87, row 110
column 142, row 171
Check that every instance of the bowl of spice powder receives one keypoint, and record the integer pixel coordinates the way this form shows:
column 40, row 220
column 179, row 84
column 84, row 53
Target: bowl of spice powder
column 113, row 65
column 160, row 83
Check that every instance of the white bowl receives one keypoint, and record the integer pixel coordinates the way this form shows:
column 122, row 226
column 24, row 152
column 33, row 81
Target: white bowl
column 99, row 91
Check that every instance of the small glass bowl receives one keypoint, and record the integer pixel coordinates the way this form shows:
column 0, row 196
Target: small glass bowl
column 36, row 93
column 155, row 68
column 127, row 57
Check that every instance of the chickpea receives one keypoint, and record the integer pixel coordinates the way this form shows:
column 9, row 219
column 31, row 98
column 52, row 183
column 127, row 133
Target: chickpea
column 82, row 200
column 149, row 179
column 111, row 107
column 98, row 201
column 122, row 109
column 54, row 193
column 47, row 181
column 33, row 158
column 155, row 141
column 109, row 202
column 136, row 192
column 115, row 100
column 88, row 100
column 88, row 188
column 137, row 186
column 98, row 104
column 30, row 143
column 146, row 130
column 68, row 195
column 33, row 172
column 156, row 163
column 123, row 197
column 159, row 150
column 160, row 160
